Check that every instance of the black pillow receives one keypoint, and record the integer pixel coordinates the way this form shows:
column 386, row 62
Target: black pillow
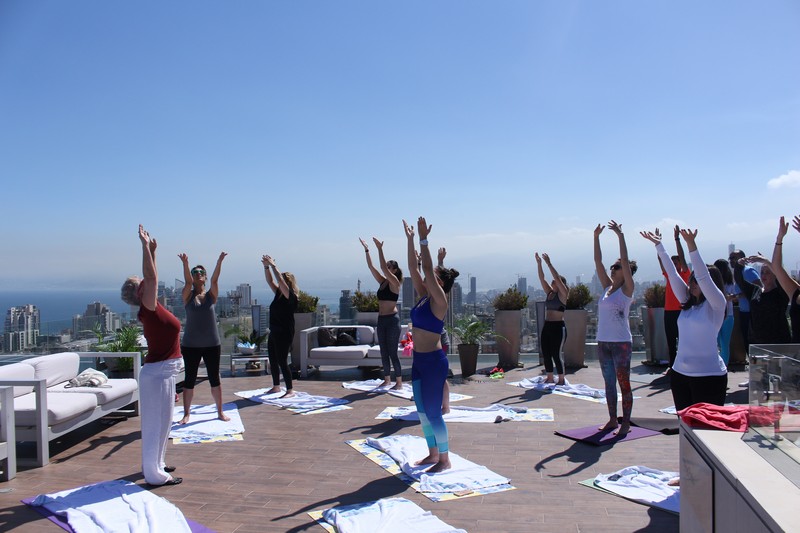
column 326, row 337
column 344, row 338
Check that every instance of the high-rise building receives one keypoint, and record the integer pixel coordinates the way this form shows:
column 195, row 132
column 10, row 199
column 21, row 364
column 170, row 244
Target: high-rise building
column 456, row 300
column 245, row 294
column 522, row 285
column 472, row 297
column 22, row 326
column 346, row 309
column 97, row 316
column 409, row 297
column 731, row 248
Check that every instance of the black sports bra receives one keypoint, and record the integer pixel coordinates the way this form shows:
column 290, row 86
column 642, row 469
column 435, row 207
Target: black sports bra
column 385, row 293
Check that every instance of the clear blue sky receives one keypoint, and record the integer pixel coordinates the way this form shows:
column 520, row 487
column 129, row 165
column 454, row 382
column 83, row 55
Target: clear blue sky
column 293, row 128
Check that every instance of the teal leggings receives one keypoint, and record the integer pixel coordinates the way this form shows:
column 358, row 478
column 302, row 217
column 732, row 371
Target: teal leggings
column 428, row 374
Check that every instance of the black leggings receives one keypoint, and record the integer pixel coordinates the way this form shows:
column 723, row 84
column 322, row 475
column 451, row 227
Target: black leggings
column 689, row 390
column 388, row 339
column 554, row 333
column 671, row 330
column 191, row 359
column 279, row 344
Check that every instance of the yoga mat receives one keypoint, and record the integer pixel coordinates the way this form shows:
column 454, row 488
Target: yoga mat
column 390, row 465
column 204, row 426
column 667, row 426
column 591, row 435
column 590, row 483
column 61, row 521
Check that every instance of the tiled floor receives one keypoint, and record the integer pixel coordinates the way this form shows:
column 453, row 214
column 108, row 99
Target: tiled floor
column 290, row 464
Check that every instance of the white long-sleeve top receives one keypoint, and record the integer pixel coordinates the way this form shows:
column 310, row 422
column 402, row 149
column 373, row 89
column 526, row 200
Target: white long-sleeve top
column 698, row 326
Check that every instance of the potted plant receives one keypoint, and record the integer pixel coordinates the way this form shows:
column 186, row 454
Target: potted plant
column 304, row 318
column 508, row 324
column 253, row 339
column 126, row 339
column 652, row 313
column 576, row 319
column 366, row 306
column 470, row 331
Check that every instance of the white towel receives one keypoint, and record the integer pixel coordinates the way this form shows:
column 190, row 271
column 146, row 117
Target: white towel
column 114, row 506
column 464, row 474
column 643, row 484
column 300, row 402
column 203, row 422
column 476, row 415
column 370, row 385
column 390, row 515
column 537, row 383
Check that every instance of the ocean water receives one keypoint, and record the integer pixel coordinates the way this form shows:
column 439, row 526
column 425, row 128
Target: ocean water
column 57, row 307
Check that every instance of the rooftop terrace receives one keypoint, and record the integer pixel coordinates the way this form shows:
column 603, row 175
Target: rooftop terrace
column 290, row 464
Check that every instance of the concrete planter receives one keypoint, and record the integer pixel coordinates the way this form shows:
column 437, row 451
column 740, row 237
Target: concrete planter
column 508, row 324
column 367, row 318
column 468, row 356
column 301, row 321
column 655, row 338
column 576, row 321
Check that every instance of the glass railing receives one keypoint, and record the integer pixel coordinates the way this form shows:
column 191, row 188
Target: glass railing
column 774, row 398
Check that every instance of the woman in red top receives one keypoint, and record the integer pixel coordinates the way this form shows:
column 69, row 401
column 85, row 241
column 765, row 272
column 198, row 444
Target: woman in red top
column 157, row 379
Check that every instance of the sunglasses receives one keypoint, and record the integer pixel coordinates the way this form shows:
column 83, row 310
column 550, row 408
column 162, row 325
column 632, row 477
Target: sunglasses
column 615, row 266
column 198, row 272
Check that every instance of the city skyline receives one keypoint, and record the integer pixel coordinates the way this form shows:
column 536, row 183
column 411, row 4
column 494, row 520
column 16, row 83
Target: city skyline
column 272, row 128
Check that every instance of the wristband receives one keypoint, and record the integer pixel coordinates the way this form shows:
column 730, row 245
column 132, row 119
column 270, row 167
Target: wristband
column 778, row 244
column 423, row 242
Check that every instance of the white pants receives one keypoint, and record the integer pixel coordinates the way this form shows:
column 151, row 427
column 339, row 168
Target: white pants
column 156, row 402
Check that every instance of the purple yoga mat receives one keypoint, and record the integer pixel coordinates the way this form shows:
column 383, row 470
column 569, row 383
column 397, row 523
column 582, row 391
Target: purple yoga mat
column 61, row 521
column 591, row 435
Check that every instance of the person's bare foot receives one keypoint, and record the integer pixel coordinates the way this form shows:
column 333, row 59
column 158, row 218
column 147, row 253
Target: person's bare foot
column 386, row 383
column 611, row 424
column 549, row 378
column 445, row 408
column 623, row 429
column 397, row 387
column 274, row 390
column 674, row 482
column 289, row 394
column 561, row 381
column 223, row 417
column 431, row 459
column 440, row 466
column 184, row 420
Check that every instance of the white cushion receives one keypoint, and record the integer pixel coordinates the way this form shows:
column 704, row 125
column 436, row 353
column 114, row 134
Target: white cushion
column 358, row 351
column 17, row 371
column 60, row 407
column 375, row 352
column 115, row 388
column 55, row 368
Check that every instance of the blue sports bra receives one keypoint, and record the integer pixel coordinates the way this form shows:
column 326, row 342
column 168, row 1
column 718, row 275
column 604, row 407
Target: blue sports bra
column 423, row 318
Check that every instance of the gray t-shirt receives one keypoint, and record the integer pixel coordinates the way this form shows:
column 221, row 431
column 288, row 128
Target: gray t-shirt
column 201, row 323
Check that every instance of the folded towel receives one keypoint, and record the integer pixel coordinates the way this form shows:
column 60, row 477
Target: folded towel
column 463, row 476
column 643, row 484
column 389, row 515
column 728, row 417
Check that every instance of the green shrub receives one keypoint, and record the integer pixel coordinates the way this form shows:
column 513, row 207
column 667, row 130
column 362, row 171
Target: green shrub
column 579, row 296
column 511, row 300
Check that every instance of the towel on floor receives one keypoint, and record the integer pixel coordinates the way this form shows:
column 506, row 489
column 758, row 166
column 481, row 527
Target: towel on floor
column 116, row 505
column 301, row 402
column 389, row 515
column 577, row 390
column 477, row 415
column 203, row 422
column 464, row 475
column 728, row 417
column 407, row 393
column 370, row 385
column 537, row 383
column 644, row 485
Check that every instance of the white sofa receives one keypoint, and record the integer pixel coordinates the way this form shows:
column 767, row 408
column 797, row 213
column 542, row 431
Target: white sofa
column 365, row 353
column 44, row 409
column 8, row 444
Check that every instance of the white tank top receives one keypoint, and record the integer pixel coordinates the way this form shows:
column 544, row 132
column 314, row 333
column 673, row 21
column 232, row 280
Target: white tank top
column 612, row 317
